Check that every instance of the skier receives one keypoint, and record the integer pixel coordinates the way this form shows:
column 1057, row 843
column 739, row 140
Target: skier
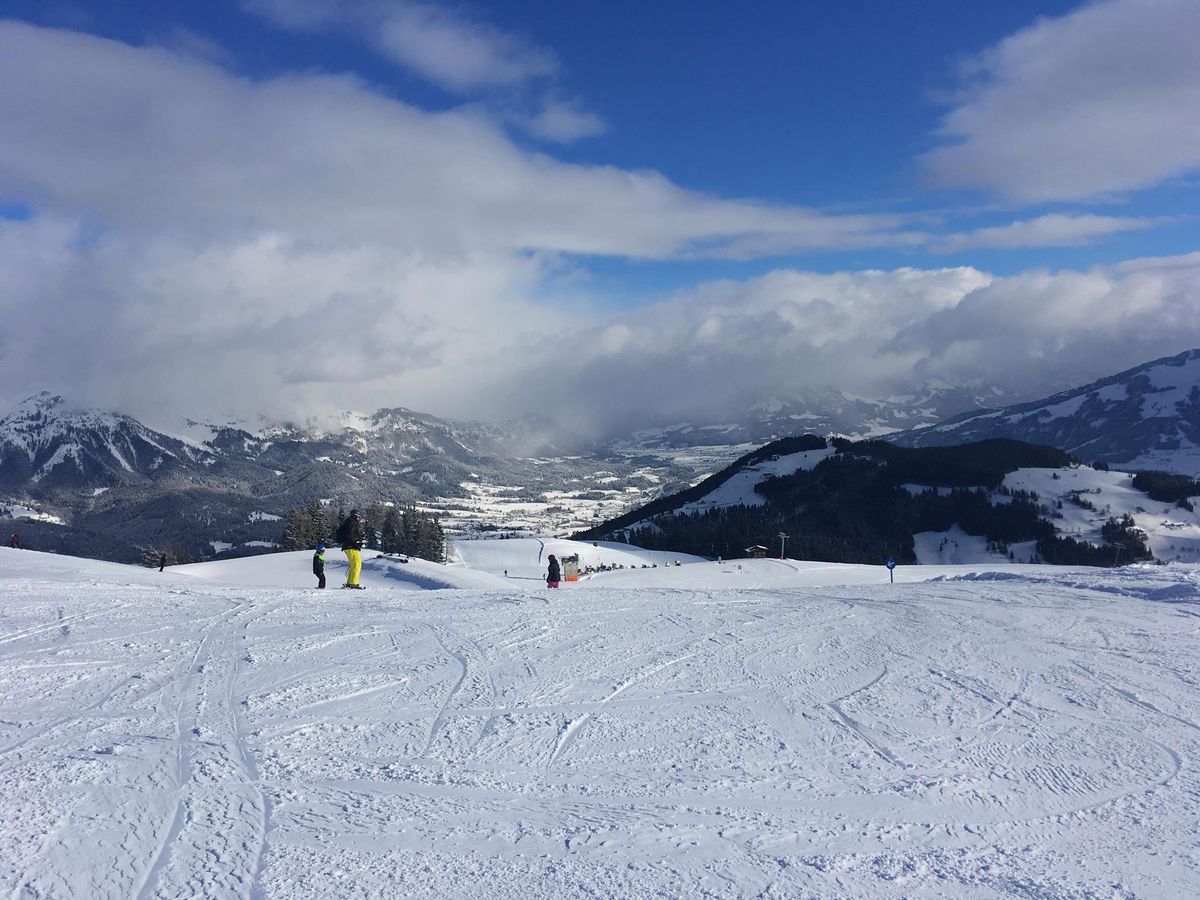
column 554, row 573
column 15, row 542
column 162, row 561
column 319, row 565
column 350, row 533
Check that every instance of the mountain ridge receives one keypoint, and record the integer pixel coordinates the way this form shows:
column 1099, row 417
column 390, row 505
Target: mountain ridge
column 1146, row 417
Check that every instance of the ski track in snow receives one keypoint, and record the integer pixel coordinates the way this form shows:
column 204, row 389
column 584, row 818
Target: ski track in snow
column 987, row 737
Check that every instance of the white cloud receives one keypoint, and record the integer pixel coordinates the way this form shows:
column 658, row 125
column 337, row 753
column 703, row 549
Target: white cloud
column 456, row 51
column 149, row 140
column 299, row 244
column 268, row 324
column 1053, row 230
column 726, row 345
column 561, row 120
column 442, row 44
column 1101, row 100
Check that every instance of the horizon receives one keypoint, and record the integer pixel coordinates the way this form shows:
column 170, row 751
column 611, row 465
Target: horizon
column 296, row 208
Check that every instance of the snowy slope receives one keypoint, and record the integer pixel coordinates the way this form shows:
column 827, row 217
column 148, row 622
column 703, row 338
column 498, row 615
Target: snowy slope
column 1026, row 732
column 527, row 557
column 739, row 489
column 294, row 570
column 1173, row 533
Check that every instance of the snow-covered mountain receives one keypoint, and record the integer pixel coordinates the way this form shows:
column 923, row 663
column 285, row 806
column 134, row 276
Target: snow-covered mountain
column 844, row 501
column 110, row 484
column 47, row 443
column 1145, row 418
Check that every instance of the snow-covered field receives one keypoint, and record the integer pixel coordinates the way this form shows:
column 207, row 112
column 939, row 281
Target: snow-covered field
column 766, row 728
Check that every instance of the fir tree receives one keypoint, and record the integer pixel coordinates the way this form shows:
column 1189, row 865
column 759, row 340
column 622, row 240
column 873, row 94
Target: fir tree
column 390, row 531
column 295, row 536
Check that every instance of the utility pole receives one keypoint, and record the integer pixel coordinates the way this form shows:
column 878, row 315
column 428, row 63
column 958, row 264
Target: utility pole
column 783, row 536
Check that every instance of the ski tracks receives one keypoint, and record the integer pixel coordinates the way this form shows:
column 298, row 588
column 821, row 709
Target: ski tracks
column 214, row 844
column 474, row 687
column 571, row 731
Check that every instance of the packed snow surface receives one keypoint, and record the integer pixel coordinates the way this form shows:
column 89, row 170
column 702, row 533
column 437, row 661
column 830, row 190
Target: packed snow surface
column 767, row 728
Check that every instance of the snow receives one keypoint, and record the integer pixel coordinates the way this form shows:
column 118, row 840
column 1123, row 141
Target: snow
column 60, row 455
column 259, row 516
column 1173, row 533
column 1113, row 393
column 755, row 728
column 739, row 488
column 1173, row 385
column 20, row 511
column 950, row 547
column 1185, row 459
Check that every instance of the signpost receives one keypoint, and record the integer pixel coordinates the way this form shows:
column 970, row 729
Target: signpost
column 891, row 564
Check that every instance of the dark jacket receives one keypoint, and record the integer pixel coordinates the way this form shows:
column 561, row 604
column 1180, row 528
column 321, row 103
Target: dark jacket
column 350, row 533
column 554, row 573
column 319, row 563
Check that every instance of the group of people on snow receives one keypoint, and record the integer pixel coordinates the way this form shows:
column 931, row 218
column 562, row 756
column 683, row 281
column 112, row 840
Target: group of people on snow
column 350, row 536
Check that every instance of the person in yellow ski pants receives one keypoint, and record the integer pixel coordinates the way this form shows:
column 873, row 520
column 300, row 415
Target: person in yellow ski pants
column 350, row 533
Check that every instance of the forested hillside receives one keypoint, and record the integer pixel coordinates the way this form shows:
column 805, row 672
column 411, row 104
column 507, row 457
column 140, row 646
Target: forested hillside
column 865, row 501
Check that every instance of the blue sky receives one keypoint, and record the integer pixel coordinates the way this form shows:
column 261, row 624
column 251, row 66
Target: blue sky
column 580, row 166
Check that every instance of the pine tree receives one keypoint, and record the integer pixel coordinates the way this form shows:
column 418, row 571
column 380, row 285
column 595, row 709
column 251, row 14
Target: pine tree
column 372, row 525
column 390, row 531
column 318, row 531
column 294, row 532
column 409, row 533
column 437, row 542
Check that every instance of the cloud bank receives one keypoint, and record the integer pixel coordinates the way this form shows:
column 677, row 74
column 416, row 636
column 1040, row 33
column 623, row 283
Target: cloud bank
column 728, row 344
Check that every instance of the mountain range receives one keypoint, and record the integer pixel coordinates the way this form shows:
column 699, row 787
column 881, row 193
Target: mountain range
column 104, row 484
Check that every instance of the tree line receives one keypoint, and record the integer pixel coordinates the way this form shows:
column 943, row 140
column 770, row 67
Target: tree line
column 389, row 529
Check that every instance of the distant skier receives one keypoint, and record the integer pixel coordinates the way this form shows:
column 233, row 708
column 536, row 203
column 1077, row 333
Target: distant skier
column 319, row 565
column 162, row 561
column 350, row 534
column 15, row 542
column 553, row 573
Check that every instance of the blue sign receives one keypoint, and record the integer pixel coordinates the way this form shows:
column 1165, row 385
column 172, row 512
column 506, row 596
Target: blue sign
column 891, row 564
